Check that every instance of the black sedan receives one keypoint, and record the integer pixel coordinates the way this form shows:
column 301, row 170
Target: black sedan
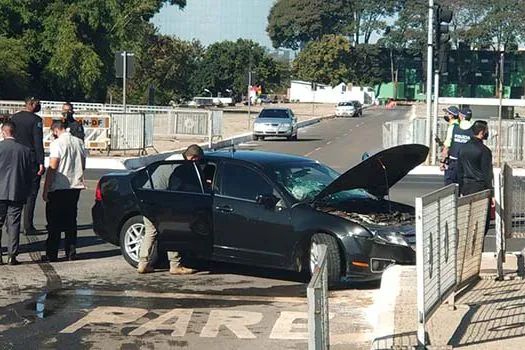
column 266, row 209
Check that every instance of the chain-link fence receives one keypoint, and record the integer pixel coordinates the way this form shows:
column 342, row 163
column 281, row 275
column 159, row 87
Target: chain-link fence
column 400, row 132
column 318, row 313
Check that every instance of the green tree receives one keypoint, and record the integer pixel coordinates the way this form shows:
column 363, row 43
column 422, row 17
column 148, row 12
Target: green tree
column 324, row 61
column 225, row 66
column 70, row 45
column 370, row 17
column 293, row 23
column 14, row 78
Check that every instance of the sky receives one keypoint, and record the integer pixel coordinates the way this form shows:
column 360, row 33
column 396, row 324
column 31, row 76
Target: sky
column 217, row 20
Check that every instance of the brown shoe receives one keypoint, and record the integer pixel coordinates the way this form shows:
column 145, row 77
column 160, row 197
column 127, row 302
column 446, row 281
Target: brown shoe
column 181, row 270
column 145, row 268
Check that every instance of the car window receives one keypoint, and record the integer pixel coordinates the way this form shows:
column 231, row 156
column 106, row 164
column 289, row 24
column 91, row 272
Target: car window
column 241, row 182
column 274, row 113
column 180, row 177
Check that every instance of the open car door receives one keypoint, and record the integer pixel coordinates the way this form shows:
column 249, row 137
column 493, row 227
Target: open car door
column 172, row 194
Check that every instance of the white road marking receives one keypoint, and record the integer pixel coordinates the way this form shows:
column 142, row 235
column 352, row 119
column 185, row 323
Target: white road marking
column 312, row 152
column 235, row 321
column 329, row 142
column 162, row 323
column 107, row 314
column 285, row 328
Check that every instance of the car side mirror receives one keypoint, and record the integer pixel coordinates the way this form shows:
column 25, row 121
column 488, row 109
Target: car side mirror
column 267, row 200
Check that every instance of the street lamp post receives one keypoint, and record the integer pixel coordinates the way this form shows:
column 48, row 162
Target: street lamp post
column 208, row 91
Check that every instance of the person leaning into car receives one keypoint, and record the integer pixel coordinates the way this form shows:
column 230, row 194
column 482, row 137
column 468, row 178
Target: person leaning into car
column 171, row 181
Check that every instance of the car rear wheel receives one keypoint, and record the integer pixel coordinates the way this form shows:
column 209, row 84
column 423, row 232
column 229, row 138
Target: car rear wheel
column 131, row 235
column 332, row 254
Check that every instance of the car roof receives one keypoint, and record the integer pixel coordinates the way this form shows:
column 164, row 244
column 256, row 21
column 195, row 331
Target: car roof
column 275, row 109
column 257, row 157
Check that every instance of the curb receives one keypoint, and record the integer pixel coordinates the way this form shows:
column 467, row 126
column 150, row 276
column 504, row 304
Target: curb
column 397, row 285
column 139, row 162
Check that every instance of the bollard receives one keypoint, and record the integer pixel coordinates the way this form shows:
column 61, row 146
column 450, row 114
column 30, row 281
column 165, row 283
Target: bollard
column 520, row 261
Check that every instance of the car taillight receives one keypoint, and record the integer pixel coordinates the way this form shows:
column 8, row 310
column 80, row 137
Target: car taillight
column 98, row 193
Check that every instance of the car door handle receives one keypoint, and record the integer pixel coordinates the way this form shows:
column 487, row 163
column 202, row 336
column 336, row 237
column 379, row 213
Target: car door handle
column 224, row 209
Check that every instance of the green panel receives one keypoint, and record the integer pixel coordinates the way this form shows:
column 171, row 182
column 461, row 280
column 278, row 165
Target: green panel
column 484, row 91
column 448, row 90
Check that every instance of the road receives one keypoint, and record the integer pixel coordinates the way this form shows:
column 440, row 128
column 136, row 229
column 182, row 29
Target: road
column 99, row 302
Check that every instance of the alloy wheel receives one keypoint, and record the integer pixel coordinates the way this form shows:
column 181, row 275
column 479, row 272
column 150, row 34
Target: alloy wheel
column 133, row 240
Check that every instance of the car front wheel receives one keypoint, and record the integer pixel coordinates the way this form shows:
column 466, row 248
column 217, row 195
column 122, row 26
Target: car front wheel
column 131, row 236
column 332, row 254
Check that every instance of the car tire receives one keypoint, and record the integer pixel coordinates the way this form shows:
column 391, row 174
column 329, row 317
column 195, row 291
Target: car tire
column 129, row 247
column 333, row 256
column 255, row 138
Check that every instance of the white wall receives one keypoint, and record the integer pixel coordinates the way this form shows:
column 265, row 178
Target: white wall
column 302, row 92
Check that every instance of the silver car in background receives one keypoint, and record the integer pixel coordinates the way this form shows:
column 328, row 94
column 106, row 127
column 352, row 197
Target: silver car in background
column 275, row 122
column 349, row 109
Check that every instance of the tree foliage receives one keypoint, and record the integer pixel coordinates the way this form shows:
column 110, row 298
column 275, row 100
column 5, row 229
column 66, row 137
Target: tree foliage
column 69, row 45
column 293, row 23
column 225, row 66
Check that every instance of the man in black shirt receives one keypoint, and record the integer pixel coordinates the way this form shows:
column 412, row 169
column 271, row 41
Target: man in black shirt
column 29, row 133
column 475, row 171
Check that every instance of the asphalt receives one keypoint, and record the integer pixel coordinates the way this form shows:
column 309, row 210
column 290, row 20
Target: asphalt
column 99, row 302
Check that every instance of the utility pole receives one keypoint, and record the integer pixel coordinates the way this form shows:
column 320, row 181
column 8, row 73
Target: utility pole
column 249, row 97
column 430, row 57
column 500, row 107
column 124, row 77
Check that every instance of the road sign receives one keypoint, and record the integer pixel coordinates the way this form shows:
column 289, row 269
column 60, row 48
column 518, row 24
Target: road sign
column 119, row 64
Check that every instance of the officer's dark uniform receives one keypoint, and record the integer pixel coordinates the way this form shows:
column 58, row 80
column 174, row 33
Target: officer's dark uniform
column 75, row 128
column 459, row 138
column 30, row 134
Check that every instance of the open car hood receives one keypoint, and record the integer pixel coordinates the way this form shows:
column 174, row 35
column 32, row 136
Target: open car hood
column 379, row 172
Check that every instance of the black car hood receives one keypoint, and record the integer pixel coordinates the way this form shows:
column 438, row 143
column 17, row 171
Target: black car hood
column 379, row 172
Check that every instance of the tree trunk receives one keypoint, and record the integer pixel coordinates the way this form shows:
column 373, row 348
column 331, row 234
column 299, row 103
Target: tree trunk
column 357, row 26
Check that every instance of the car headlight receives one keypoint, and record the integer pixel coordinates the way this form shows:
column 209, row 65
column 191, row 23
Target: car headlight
column 285, row 126
column 391, row 237
column 258, row 126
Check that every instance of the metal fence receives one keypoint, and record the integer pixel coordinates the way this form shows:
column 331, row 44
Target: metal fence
column 400, row 132
column 202, row 123
column 318, row 313
column 510, row 209
column 449, row 245
column 435, row 252
column 471, row 226
column 131, row 131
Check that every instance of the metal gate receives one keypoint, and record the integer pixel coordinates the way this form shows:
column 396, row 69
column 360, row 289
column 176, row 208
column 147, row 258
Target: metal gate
column 131, row 131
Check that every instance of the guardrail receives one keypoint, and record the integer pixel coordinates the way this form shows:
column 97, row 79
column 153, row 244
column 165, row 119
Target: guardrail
column 318, row 314
column 449, row 245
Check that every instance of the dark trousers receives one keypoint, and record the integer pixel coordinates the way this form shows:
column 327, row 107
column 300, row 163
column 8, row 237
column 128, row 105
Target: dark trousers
column 29, row 207
column 451, row 173
column 471, row 188
column 61, row 215
column 11, row 213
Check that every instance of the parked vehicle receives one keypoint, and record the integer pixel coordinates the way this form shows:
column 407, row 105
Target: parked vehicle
column 349, row 109
column 280, row 122
column 266, row 209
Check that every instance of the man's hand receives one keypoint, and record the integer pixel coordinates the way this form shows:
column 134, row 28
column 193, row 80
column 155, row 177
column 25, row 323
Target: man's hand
column 493, row 202
column 442, row 167
column 41, row 170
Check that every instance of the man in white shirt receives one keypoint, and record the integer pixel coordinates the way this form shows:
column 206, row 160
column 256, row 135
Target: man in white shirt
column 64, row 181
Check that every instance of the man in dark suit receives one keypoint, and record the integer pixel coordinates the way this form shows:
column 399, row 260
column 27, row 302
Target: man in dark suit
column 16, row 174
column 29, row 133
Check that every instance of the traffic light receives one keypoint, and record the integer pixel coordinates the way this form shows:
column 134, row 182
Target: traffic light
column 442, row 18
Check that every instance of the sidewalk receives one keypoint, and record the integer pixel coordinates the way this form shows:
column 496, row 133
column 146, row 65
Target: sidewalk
column 489, row 315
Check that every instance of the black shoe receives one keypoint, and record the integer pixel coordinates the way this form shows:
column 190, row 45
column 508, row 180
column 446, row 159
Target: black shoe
column 46, row 259
column 13, row 261
column 1, row 261
column 71, row 257
column 30, row 231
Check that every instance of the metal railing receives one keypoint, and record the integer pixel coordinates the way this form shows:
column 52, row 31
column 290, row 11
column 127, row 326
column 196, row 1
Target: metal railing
column 509, row 193
column 187, row 122
column 400, row 132
column 318, row 313
column 131, row 131
column 449, row 245
column 436, row 223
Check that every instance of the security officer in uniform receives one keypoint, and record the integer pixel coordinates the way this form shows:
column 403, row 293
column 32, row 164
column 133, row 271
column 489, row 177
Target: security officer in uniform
column 29, row 133
column 74, row 127
column 458, row 134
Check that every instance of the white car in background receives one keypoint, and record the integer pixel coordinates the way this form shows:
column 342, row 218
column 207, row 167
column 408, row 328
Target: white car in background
column 276, row 122
column 349, row 109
